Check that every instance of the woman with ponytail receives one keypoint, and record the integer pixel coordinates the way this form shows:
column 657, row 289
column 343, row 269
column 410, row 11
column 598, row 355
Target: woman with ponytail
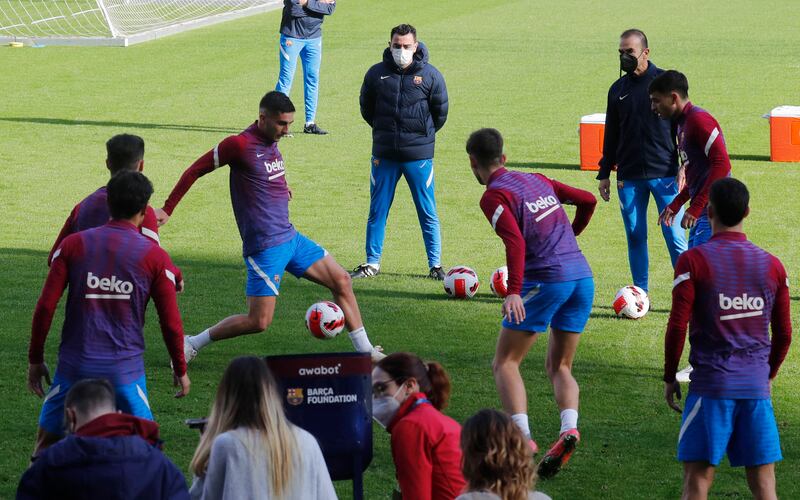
column 498, row 459
column 250, row 449
column 407, row 398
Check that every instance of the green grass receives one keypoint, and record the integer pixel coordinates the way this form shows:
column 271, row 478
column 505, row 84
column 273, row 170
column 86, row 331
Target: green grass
column 528, row 68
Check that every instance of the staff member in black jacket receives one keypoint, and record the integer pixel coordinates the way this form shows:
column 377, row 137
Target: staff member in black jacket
column 642, row 146
column 404, row 100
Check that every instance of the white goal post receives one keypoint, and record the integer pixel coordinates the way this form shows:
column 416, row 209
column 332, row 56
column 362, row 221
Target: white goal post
column 115, row 22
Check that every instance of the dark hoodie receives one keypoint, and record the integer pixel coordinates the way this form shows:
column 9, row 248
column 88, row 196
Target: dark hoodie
column 405, row 108
column 112, row 457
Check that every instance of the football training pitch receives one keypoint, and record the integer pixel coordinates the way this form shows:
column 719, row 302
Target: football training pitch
column 528, row 68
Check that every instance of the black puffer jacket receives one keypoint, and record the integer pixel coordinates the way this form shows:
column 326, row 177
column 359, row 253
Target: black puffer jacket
column 405, row 108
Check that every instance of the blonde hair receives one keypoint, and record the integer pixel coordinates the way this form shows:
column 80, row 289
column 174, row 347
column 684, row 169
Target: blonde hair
column 496, row 456
column 247, row 397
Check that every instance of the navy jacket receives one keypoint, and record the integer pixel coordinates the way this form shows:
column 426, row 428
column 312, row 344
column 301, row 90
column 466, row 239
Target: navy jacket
column 405, row 108
column 119, row 467
column 304, row 22
column 641, row 144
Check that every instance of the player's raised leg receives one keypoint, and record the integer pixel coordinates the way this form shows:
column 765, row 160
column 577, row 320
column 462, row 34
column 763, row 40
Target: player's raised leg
column 328, row 273
column 512, row 347
column 697, row 479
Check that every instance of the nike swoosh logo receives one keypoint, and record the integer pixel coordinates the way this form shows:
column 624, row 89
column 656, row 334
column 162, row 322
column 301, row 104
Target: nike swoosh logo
column 260, row 155
column 385, row 77
column 623, row 96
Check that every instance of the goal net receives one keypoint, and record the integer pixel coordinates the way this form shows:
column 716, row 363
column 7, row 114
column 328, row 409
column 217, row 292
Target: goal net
column 115, row 22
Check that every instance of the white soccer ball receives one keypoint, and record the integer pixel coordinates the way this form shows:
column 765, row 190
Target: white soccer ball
column 631, row 302
column 461, row 282
column 499, row 282
column 325, row 320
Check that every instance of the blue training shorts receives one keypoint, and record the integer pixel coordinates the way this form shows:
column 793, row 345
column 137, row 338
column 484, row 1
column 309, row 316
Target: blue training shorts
column 744, row 428
column 564, row 306
column 131, row 398
column 265, row 268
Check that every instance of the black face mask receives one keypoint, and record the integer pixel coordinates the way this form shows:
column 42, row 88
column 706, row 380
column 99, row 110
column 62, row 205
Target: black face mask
column 628, row 63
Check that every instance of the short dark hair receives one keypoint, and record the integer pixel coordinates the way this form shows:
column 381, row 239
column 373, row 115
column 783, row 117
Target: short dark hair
column 90, row 394
column 128, row 194
column 670, row 81
column 635, row 32
column 403, row 29
column 730, row 199
column 275, row 103
column 124, row 152
column 486, row 145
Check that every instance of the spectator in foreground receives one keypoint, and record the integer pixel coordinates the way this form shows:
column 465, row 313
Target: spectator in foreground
column 107, row 455
column 407, row 396
column 498, row 461
column 250, row 449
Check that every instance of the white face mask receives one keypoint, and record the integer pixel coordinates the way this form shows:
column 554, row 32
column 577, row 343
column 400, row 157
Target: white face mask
column 402, row 57
column 384, row 408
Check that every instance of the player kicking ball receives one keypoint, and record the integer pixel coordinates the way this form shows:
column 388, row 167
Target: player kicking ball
column 270, row 244
column 729, row 291
column 549, row 283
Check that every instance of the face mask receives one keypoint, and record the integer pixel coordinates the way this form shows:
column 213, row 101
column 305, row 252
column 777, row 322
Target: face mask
column 385, row 408
column 628, row 63
column 402, row 57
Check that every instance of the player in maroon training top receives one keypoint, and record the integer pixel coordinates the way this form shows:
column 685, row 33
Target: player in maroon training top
column 111, row 272
column 549, row 283
column 270, row 244
column 701, row 148
column 125, row 152
column 729, row 291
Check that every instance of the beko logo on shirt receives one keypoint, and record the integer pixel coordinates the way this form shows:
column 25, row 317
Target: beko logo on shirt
column 320, row 370
column 751, row 306
column 547, row 203
column 119, row 289
column 273, row 166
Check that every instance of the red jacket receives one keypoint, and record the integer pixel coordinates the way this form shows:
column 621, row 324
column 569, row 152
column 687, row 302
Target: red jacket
column 426, row 451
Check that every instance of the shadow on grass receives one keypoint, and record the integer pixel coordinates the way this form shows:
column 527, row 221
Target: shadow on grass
column 109, row 123
column 537, row 165
column 749, row 157
column 595, row 306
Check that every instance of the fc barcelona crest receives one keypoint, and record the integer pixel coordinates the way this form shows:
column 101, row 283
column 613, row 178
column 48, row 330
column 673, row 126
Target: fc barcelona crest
column 417, row 80
column 294, row 396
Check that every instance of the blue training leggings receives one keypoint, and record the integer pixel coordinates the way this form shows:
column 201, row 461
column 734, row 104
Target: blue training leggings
column 383, row 182
column 634, row 196
column 310, row 52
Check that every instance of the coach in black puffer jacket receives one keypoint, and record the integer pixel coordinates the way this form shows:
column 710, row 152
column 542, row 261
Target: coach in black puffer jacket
column 404, row 100
column 404, row 107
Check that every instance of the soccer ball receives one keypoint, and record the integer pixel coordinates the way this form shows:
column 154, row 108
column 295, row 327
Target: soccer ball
column 631, row 302
column 325, row 320
column 461, row 282
column 499, row 282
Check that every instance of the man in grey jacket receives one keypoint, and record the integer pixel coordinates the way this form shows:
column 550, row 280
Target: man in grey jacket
column 301, row 35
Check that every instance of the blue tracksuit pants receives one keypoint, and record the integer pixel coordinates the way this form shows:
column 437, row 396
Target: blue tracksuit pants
column 700, row 232
column 383, row 182
column 310, row 52
column 634, row 196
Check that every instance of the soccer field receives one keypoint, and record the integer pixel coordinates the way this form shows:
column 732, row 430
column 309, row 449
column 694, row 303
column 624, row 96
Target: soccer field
column 528, row 68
